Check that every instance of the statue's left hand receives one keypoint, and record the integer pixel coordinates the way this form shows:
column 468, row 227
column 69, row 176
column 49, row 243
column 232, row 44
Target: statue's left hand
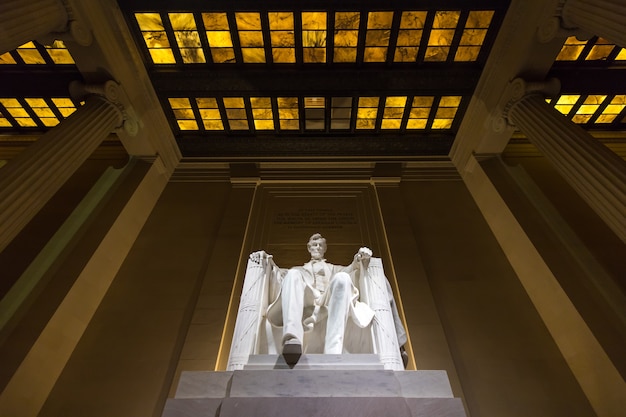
column 363, row 253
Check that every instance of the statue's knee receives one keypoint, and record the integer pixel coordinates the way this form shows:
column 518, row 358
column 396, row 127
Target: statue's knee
column 292, row 276
column 341, row 280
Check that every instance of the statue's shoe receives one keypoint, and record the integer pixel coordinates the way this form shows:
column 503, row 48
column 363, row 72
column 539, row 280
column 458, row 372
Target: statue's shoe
column 292, row 350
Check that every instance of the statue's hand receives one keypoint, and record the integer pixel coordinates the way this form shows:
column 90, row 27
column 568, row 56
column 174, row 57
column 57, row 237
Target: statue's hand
column 258, row 257
column 363, row 253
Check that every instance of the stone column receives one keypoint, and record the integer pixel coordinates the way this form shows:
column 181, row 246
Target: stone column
column 598, row 17
column 23, row 20
column 593, row 170
column 28, row 181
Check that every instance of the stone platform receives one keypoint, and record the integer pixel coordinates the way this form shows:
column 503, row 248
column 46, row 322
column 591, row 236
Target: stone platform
column 318, row 386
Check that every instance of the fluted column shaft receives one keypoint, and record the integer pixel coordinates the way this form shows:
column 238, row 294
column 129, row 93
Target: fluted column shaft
column 604, row 18
column 28, row 181
column 24, row 20
column 594, row 171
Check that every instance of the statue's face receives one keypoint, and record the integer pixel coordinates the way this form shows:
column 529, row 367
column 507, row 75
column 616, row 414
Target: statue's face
column 317, row 248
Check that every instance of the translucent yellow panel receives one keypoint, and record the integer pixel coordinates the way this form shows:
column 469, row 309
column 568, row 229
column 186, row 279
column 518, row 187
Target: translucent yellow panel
column 345, row 55
column 63, row 102
column 179, row 103
column 234, row 103
column 346, row 38
column 264, row 124
column 367, row 113
column 36, row 102
column 620, row 57
column 210, row 114
column 253, row 55
column 594, row 99
column 405, row 54
column 43, row 112
column 390, row 124
column 441, row 37
column 213, row 125
column 223, row 55
column 280, row 20
column 206, row 103
column 288, row 113
column 192, row 55
column 368, row 101
column 365, row 123
column 182, row 21
column 314, row 55
column 446, row 19
column 282, row 39
column 347, row 20
column 238, row 124
column 215, row 21
column 473, row 37
column 249, row 38
column 10, row 102
column 313, row 38
column 314, row 20
column 442, row 124
column 262, row 114
column 289, row 124
column 284, row 55
column 184, row 114
column 18, row 112
column 261, row 102
column 187, row 124
column 479, row 19
column 219, row 39
column 570, row 53
column 416, row 123
column 375, row 55
column 599, row 52
column 49, row 122
column 446, row 112
column 581, row 118
column 162, row 56
column 568, row 99
column 412, row 20
column 156, row 39
column 236, row 113
column 25, row 122
column 187, row 39
column 4, row 122
column 6, row 58
column 606, row 118
column 31, row 56
column 395, row 102
column 149, row 21
column 467, row 53
column 379, row 20
column 450, row 101
column 423, row 101
column 419, row 113
column 288, row 102
column 248, row 21
column 377, row 38
column 564, row 109
column 60, row 56
column 409, row 37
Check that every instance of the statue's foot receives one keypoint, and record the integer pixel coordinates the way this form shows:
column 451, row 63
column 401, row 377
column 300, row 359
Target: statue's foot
column 292, row 350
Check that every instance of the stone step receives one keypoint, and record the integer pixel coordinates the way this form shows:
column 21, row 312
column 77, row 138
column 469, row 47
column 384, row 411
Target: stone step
column 314, row 383
column 316, row 361
column 315, row 407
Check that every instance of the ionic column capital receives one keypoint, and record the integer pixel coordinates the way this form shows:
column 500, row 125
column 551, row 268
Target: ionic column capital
column 112, row 92
column 603, row 18
column 518, row 90
column 74, row 30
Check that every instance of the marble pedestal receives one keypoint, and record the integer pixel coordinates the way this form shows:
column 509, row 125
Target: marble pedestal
column 318, row 386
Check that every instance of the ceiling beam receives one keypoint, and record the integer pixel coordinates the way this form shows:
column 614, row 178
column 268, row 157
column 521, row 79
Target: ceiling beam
column 376, row 81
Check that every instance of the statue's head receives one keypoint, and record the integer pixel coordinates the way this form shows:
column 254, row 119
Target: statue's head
column 317, row 246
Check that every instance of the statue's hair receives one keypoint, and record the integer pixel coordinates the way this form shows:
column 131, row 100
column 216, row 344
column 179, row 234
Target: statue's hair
column 317, row 236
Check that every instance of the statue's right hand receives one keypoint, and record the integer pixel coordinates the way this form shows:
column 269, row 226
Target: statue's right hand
column 258, row 257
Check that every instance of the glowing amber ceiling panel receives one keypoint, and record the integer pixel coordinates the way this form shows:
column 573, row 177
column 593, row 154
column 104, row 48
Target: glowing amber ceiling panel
column 588, row 108
column 613, row 109
column 183, row 112
column 314, row 37
column 441, row 35
column 420, row 112
column 367, row 112
column 393, row 112
column 251, row 37
column 596, row 49
column 219, row 38
column 210, row 113
column 282, row 37
column 236, row 113
column 187, row 37
column 446, row 111
column 346, row 36
column 262, row 113
column 474, row 34
column 377, row 36
column 409, row 36
column 288, row 113
column 155, row 38
column 36, row 112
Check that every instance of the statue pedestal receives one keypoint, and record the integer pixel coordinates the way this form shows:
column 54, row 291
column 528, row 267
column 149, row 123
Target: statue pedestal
column 318, row 386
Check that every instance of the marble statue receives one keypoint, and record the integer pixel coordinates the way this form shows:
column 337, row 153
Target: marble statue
column 318, row 307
